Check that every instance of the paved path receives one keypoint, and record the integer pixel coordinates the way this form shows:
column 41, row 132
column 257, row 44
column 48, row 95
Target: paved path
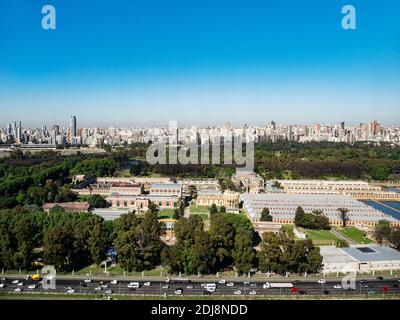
column 343, row 236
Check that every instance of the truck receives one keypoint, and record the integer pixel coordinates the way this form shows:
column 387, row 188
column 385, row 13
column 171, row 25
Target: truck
column 270, row 285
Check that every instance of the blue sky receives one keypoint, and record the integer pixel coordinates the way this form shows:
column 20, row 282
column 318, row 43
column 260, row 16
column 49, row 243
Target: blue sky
column 127, row 63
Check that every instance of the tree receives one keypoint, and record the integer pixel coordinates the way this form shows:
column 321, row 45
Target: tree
column 340, row 243
column 382, row 231
column 192, row 191
column 57, row 247
column 213, row 209
column 394, row 238
column 299, row 216
column 243, row 253
column 343, row 214
column 97, row 201
column 265, row 215
column 222, row 209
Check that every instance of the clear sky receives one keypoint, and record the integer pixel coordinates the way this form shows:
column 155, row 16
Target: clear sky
column 144, row 62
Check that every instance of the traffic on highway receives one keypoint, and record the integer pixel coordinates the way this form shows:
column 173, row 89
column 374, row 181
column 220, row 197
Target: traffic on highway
column 186, row 287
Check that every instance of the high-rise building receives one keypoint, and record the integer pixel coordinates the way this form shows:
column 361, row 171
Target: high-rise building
column 19, row 132
column 72, row 128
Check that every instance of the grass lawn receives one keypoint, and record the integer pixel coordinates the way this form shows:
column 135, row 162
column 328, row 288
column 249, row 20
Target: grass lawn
column 355, row 234
column 166, row 213
column 288, row 228
column 321, row 237
column 203, row 216
column 116, row 270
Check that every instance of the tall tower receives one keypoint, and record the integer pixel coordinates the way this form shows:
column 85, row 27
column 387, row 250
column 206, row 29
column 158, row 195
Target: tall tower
column 72, row 128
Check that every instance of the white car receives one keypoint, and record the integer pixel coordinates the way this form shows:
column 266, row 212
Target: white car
column 2, row 285
column 108, row 291
column 20, row 284
column 189, row 287
column 165, row 286
column 15, row 281
column 337, row 286
column 71, row 290
column 237, row 292
column 147, row 284
column 32, row 286
column 253, row 292
column 17, row 289
column 97, row 288
column 114, row 282
column 230, row 284
column 104, row 286
column 134, row 285
column 88, row 280
column 321, row 281
column 266, row 286
column 178, row 292
column 222, row 281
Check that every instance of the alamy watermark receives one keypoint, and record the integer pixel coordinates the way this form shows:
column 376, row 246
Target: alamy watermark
column 213, row 149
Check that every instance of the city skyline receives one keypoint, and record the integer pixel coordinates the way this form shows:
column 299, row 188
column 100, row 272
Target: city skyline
column 231, row 61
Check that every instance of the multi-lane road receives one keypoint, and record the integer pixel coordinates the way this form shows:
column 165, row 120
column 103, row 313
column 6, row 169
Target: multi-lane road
column 196, row 288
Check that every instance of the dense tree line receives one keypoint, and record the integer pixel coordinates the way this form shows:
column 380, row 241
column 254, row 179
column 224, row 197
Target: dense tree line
column 66, row 240
column 280, row 253
column 315, row 220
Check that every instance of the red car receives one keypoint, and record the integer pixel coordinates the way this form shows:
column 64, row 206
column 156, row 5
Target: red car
column 385, row 289
column 294, row 290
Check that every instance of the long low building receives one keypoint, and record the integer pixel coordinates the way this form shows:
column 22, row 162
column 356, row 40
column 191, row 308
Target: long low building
column 282, row 207
column 359, row 258
column 140, row 203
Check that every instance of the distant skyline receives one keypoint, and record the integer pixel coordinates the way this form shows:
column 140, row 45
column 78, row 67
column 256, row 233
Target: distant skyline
column 143, row 63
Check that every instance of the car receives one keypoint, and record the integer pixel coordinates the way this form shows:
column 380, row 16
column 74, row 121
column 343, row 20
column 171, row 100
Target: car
column 246, row 282
column 321, row 281
column 253, row 285
column 147, row 284
column 27, row 278
column 325, row 292
column 222, row 281
column 134, row 285
column 178, row 292
column 4, row 279
column 294, row 290
column 237, row 292
column 104, row 286
column 230, row 284
column 32, row 286
column 2, row 285
column 379, row 278
column 371, row 292
column 98, row 288
column 114, row 282
column 83, row 284
column 206, row 293
column 385, row 288
column 253, row 292
column 71, row 291
column 337, row 286
column 108, row 291
column 165, row 286
column 302, row 292
column 189, row 287
column 363, row 281
column 20, row 284
column 18, row 289
column 395, row 285
column 15, row 281
column 88, row 280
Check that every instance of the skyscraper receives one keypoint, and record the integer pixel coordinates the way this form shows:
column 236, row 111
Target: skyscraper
column 72, row 128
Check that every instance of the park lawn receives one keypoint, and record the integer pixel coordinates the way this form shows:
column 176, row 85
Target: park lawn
column 355, row 234
column 321, row 237
column 166, row 213
column 117, row 271
column 203, row 216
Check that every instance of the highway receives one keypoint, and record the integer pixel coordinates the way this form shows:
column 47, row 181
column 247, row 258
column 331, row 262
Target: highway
column 195, row 288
